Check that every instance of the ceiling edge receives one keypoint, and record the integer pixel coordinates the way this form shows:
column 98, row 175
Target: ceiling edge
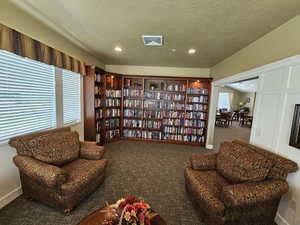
column 159, row 71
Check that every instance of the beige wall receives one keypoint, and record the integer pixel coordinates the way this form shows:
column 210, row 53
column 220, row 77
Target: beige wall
column 278, row 44
column 17, row 19
column 250, row 104
column 159, row 71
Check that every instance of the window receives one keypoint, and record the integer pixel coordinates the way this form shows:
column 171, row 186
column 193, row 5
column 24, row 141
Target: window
column 224, row 101
column 71, row 97
column 27, row 96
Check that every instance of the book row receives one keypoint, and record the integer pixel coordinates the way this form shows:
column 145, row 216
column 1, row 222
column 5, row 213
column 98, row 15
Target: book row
column 99, row 114
column 132, row 103
column 201, row 91
column 164, row 96
column 133, row 83
column 198, row 99
column 196, row 107
column 142, row 124
column 98, row 102
column 167, row 105
column 97, row 90
column 113, row 102
column 176, row 87
column 142, row 134
column 112, row 123
column 151, row 114
column 184, row 122
column 132, row 92
column 113, row 112
column 182, row 130
column 133, row 113
column 196, row 115
column 112, row 134
column 113, row 93
column 156, row 135
column 185, row 138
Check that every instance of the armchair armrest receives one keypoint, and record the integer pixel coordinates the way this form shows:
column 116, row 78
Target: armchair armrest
column 89, row 150
column 204, row 161
column 239, row 195
column 44, row 173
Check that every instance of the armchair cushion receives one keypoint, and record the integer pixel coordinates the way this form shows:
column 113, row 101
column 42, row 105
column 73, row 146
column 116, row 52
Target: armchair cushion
column 206, row 187
column 82, row 172
column 247, row 194
column 90, row 150
column 57, row 148
column 238, row 164
column 204, row 161
column 46, row 174
column 282, row 166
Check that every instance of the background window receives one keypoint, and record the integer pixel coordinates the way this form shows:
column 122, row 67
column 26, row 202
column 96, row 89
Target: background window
column 27, row 96
column 224, row 101
column 71, row 97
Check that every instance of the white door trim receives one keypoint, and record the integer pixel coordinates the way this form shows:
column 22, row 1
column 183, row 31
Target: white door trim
column 256, row 72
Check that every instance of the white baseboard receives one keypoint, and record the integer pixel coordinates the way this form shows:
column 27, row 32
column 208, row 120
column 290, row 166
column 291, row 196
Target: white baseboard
column 280, row 220
column 10, row 196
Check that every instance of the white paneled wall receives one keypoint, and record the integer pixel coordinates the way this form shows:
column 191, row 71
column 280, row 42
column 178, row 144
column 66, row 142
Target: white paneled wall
column 279, row 91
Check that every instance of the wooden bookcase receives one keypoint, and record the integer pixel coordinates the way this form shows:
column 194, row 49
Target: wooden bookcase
column 159, row 109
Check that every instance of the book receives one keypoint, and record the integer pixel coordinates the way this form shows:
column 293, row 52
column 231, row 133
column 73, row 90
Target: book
column 198, row 99
column 112, row 123
column 110, row 134
column 113, row 112
column 132, row 103
column 113, row 102
column 151, row 114
column 132, row 93
column 199, row 91
column 113, row 93
column 128, row 123
column 133, row 113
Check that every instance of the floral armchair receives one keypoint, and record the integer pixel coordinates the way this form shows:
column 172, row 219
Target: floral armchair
column 240, row 185
column 56, row 169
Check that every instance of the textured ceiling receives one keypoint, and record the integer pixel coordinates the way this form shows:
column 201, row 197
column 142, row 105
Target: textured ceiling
column 215, row 28
column 245, row 86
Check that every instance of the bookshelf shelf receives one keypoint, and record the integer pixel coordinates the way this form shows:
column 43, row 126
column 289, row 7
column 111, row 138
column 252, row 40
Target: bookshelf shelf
column 145, row 108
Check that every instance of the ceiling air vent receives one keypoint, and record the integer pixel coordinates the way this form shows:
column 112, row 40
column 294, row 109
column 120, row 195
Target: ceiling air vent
column 153, row 40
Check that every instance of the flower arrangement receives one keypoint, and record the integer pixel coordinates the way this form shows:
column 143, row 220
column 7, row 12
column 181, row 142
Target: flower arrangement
column 132, row 211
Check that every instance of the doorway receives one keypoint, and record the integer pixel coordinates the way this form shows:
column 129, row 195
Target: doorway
column 234, row 111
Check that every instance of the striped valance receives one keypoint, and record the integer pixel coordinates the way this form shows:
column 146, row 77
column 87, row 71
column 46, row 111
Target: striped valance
column 20, row 44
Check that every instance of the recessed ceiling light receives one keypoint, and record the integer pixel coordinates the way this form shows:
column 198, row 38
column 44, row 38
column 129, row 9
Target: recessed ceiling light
column 192, row 51
column 118, row 49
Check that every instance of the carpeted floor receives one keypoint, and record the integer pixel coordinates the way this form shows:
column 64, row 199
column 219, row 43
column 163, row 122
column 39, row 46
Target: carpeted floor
column 151, row 170
column 230, row 133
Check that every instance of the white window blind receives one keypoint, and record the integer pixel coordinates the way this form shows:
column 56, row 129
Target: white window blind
column 71, row 97
column 27, row 96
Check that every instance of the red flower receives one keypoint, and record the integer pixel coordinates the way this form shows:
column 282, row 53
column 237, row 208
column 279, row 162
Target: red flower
column 130, row 207
column 130, row 200
column 142, row 218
